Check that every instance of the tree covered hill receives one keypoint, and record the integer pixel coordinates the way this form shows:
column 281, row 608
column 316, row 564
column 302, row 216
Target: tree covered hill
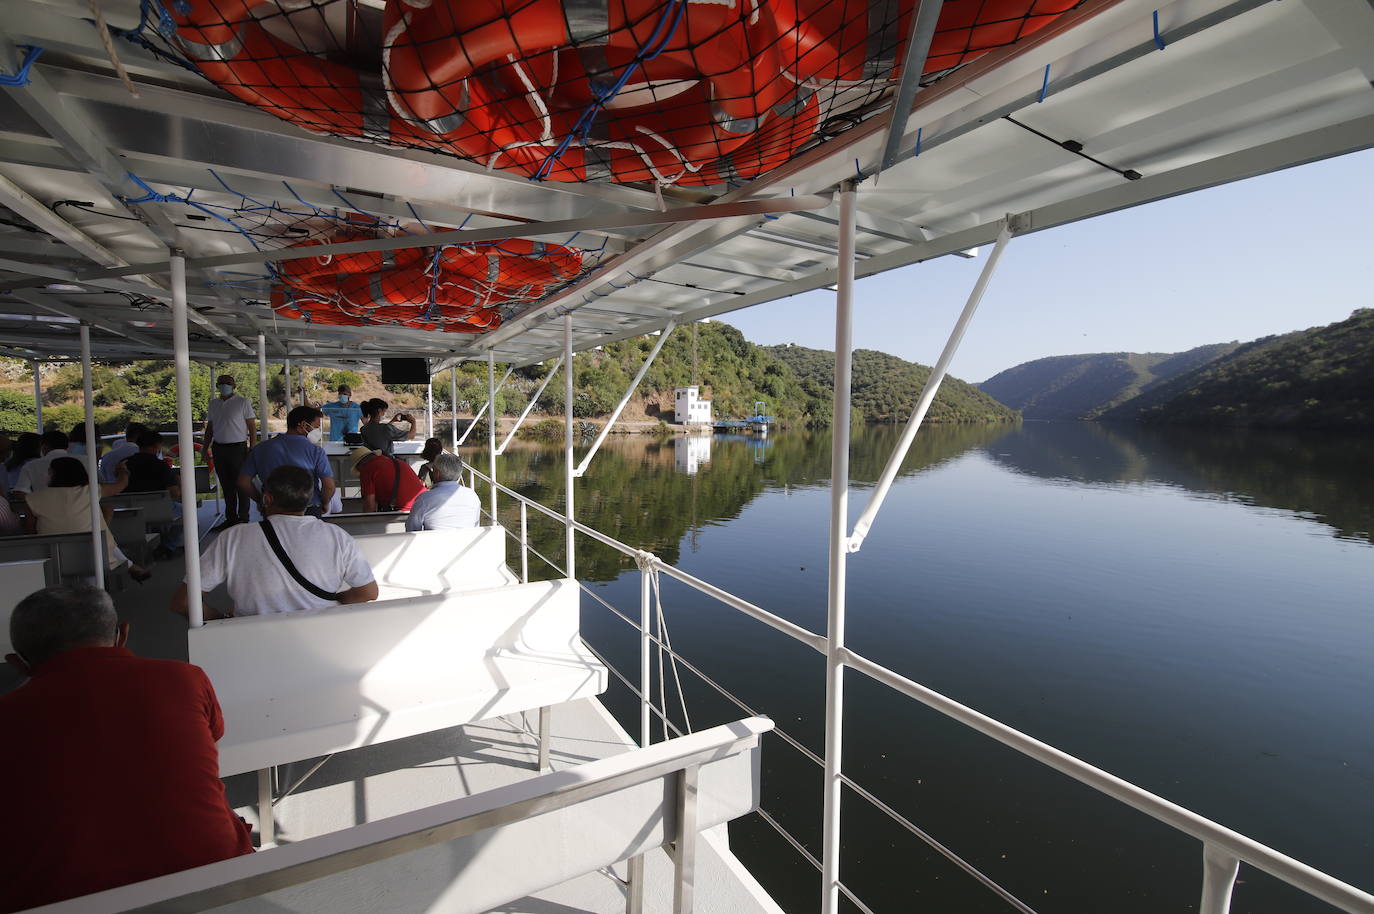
column 886, row 387
column 1086, row 386
column 1319, row 377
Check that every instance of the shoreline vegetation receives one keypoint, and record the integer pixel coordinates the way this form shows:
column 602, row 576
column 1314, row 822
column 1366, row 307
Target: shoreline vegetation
column 731, row 371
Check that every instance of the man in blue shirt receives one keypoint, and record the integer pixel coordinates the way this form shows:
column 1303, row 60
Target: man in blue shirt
column 300, row 446
column 344, row 415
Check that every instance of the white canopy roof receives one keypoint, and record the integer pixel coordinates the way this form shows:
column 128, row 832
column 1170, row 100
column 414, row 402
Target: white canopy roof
column 1101, row 111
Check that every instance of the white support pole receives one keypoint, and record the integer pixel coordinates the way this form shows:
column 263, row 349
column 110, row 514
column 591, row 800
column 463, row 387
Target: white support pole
column 569, row 532
column 453, row 402
column 429, row 408
column 839, row 525
column 491, row 429
column 262, row 389
column 1219, row 871
column 37, row 395
column 529, row 406
column 92, row 475
column 286, row 372
column 932, row 387
column 629, row 392
column 645, row 649
column 481, row 412
column 186, row 443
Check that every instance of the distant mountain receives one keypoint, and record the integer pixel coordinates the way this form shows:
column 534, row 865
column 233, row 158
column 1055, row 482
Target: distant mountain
column 886, row 387
column 1086, row 386
column 1323, row 376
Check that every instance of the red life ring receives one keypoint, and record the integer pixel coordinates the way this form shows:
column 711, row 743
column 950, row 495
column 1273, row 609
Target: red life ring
column 847, row 41
column 197, row 448
column 457, row 289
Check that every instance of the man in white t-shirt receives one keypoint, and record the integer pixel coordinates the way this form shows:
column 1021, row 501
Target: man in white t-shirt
column 332, row 568
column 33, row 476
column 230, row 428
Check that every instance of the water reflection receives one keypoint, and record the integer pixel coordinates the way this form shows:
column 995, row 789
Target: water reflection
column 690, row 452
column 1322, row 476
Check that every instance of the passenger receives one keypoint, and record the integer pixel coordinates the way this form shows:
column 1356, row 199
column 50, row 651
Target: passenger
column 10, row 524
column 112, row 766
column 319, row 564
column 25, row 448
column 299, row 447
column 76, row 439
column 34, row 476
column 433, row 448
column 148, row 472
column 230, row 429
column 388, row 483
column 121, row 451
column 64, row 506
column 382, row 436
column 344, row 415
column 6, row 448
column 450, row 505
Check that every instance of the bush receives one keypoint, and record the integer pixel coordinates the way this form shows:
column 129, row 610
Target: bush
column 16, row 412
column 543, row 430
column 66, row 415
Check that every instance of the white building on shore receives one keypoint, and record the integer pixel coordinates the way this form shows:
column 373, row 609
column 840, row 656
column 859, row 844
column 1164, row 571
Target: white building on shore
column 689, row 409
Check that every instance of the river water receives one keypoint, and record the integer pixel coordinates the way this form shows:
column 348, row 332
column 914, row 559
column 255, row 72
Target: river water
column 1192, row 611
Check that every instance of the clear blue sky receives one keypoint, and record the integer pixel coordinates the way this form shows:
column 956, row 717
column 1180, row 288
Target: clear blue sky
column 1272, row 254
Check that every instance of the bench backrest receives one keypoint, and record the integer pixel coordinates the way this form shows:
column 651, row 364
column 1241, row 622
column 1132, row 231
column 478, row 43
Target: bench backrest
column 128, row 527
column 70, row 553
column 375, row 522
column 157, row 506
column 435, row 561
column 484, row 851
column 389, row 650
column 18, row 579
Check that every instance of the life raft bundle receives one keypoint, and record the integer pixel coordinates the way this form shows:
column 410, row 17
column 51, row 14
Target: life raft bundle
column 693, row 92
column 452, row 289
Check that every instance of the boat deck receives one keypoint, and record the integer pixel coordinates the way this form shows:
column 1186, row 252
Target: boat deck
column 373, row 782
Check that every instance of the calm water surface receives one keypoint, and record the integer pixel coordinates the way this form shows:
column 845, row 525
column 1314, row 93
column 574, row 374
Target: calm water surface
column 1192, row 611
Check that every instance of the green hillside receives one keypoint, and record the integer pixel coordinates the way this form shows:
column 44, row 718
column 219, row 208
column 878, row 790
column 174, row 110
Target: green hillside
column 886, row 387
column 1320, row 377
column 1086, row 386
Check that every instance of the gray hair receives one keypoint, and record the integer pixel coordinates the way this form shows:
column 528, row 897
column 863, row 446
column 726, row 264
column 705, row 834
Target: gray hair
column 55, row 619
column 446, row 468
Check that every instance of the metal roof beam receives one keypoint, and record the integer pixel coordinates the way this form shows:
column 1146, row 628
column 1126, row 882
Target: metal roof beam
column 40, row 301
column 917, row 49
column 710, row 211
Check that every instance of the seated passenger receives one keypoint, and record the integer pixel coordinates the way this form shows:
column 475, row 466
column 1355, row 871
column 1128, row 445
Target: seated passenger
column 64, row 506
column 34, row 475
column 147, row 471
column 387, row 483
column 311, row 565
column 121, row 451
column 450, row 505
column 111, row 765
column 433, row 448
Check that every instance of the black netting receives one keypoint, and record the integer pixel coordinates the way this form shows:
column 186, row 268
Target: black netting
column 690, row 92
column 469, row 288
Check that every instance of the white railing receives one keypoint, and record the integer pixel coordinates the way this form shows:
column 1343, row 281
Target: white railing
column 1223, row 849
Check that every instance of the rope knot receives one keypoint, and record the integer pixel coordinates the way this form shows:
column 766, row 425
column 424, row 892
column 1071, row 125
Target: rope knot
column 646, row 561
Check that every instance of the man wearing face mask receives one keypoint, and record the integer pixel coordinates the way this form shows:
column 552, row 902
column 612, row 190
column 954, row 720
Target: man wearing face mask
column 300, row 447
column 344, row 415
column 230, row 429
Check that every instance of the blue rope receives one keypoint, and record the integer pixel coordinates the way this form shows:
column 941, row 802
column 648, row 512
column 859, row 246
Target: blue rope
column 1045, row 84
column 663, row 33
column 918, row 142
column 1159, row 42
column 152, row 196
column 21, row 78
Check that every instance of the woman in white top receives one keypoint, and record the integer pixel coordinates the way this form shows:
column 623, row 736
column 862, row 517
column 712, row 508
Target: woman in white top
column 65, row 507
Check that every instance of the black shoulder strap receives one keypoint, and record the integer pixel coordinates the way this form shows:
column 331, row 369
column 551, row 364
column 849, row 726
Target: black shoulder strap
column 290, row 566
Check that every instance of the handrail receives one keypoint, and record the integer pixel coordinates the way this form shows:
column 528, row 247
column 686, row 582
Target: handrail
column 1221, row 845
column 325, row 855
column 815, row 641
column 1281, row 866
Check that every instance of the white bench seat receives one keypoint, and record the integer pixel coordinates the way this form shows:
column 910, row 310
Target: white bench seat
column 437, row 561
column 300, row 685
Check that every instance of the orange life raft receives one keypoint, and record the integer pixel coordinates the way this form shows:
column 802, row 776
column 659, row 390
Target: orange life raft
column 670, row 91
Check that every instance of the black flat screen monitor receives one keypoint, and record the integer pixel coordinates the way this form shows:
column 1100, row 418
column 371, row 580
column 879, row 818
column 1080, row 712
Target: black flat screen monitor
column 405, row 371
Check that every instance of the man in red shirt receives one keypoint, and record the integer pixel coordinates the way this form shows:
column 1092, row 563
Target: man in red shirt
column 110, row 774
column 388, row 483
